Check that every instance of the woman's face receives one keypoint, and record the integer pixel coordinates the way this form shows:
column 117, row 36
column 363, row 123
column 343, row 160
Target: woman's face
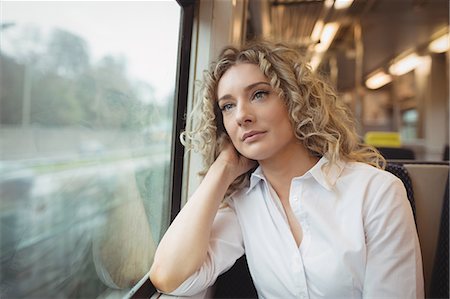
column 254, row 116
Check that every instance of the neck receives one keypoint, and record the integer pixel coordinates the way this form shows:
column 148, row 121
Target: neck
column 280, row 170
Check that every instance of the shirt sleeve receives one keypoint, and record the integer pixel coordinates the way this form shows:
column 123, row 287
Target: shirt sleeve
column 393, row 260
column 225, row 247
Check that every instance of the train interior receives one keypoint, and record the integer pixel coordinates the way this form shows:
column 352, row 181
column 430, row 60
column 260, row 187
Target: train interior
column 92, row 171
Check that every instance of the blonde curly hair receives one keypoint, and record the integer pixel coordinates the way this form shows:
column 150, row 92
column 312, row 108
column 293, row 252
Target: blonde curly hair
column 321, row 122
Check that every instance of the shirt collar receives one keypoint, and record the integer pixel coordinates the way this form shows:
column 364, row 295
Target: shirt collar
column 256, row 176
column 325, row 173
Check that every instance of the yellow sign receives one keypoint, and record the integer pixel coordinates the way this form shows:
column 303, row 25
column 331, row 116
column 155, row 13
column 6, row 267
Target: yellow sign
column 383, row 139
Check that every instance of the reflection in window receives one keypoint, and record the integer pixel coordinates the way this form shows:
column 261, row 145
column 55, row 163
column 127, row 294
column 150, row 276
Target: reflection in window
column 85, row 129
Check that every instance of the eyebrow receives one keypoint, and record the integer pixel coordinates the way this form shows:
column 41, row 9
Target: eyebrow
column 247, row 88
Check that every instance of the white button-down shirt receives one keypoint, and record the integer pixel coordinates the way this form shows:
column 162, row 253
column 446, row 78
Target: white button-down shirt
column 359, row 237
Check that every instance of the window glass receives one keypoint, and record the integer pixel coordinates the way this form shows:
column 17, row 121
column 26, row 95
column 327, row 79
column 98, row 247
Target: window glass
column 409, row 124
column 87, row 98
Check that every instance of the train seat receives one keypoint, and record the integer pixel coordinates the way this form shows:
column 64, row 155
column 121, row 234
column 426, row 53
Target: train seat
column 445, row 154
column 430, row 183
column 400, row 153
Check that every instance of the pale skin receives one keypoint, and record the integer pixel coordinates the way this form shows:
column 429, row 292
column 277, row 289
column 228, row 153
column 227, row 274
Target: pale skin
column 257, row 122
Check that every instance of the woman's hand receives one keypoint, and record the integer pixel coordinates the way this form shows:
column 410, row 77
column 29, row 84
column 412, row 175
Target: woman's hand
column 235, row 163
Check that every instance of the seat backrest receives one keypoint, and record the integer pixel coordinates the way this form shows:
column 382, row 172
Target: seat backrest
column 235, row 283
column 397, row 153
column 429, row 183
column 445, row 154
column 440, row 277
column 400, row 171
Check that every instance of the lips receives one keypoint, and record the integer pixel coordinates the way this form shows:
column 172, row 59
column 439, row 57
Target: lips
column 252, row 135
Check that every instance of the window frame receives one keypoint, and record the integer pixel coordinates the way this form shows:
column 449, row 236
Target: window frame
column 180, row 107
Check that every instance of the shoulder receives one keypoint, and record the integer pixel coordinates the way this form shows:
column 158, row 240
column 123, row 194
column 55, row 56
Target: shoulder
column 373, row 183
column 364, row 172
column 383, row 190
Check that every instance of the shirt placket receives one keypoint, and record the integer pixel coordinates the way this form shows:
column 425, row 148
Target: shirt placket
column 297, row 265
column 299, row 277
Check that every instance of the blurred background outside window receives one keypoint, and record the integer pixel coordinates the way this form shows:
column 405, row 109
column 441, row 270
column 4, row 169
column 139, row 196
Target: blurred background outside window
column 86, row 104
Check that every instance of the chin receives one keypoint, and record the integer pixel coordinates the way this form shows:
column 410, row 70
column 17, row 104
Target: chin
column 255, row 151
column 252, row 155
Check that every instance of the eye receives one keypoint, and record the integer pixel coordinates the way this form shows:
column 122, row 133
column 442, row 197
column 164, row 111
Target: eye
column 260, row 94
column 226, row 107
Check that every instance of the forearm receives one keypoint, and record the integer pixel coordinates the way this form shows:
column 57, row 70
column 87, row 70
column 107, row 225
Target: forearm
column 183, row 248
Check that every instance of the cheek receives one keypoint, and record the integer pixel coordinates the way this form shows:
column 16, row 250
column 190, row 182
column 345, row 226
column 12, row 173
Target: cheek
column 282, row 113
column 281, row 118
column 227, row 126
column 231, row 130
column 277, row 115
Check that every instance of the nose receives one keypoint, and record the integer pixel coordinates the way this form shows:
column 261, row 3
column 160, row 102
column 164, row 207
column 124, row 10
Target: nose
column 244, row 114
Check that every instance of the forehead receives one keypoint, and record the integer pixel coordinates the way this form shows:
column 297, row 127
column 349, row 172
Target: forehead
column 238, row 77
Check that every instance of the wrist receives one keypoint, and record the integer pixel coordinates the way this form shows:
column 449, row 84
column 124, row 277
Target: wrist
column 225, row 171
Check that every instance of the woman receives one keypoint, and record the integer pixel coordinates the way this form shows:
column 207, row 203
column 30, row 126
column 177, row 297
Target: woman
column 303, row 199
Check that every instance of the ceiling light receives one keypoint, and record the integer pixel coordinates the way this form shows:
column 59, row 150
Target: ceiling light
column 328, row 3
column 440, row 44
column 342, row 4
column 378, row 80
column 315, row 35
column 328, row 33
column 405, row 65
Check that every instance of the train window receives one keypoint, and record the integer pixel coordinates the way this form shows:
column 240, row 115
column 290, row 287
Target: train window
column 409, row 124
column 87, row 101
